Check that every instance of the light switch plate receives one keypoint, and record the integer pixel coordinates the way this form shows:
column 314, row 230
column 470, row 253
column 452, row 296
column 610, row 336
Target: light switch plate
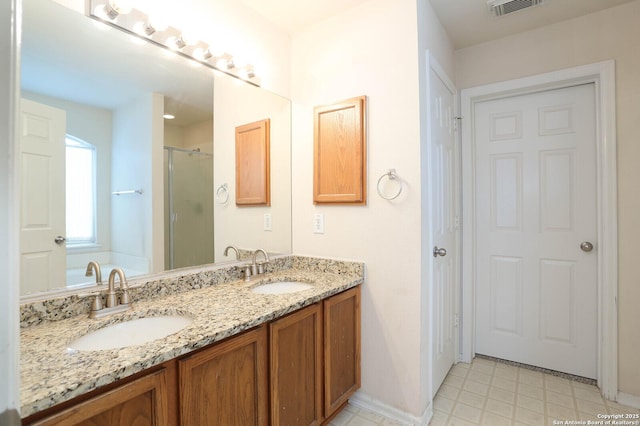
column 318, row 223
column 267, row 221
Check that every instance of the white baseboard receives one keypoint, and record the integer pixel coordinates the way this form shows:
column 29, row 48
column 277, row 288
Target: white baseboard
column 629, row 400
column 366, row 402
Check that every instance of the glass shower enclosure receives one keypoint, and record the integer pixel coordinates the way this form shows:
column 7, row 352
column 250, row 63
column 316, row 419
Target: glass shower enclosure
column 188, row 189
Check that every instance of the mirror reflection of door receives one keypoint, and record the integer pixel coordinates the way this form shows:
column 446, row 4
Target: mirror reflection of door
column 42, row 218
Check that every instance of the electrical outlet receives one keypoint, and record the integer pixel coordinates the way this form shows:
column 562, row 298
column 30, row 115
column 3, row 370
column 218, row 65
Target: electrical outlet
column 318, row 223
column 267, row 221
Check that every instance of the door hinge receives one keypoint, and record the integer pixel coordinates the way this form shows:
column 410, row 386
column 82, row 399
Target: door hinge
column 456, row 320
column 456, row 222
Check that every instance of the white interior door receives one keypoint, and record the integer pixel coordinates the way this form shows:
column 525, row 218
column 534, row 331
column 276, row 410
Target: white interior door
column 536, row 288
column 42, row 216
column 443, row 172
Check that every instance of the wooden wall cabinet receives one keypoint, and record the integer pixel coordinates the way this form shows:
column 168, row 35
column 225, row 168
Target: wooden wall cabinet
column 296, row 368
column 141, row 402
column 340, row 141
column 226, row 384
column 253, row 164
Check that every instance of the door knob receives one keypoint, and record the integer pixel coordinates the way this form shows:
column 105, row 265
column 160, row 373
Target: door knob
column 439, row 252
column 586, row 246
column 60, row 240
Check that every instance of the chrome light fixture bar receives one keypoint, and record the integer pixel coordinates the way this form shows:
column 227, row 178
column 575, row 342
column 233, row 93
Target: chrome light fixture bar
column 119, row 14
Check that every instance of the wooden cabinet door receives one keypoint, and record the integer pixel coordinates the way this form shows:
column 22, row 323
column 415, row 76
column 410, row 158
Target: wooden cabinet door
column 253, row 164
column 141, row 402
column 339, row 149
column 227, row 383
column 341, row 348
column 296, row 368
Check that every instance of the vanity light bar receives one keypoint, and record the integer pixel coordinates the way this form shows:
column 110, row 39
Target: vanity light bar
column 139, row 24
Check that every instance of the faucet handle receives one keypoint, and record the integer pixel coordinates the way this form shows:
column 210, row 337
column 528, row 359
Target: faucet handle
column 96, row 305
column 124, row 298
column 247, row 273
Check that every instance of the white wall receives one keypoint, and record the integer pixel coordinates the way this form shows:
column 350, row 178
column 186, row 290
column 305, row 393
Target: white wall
column 373, row 50
column 137, row 150
column 610, row 34
column 9, row 263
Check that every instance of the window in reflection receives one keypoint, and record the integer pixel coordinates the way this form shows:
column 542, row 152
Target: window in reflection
column 80, row 192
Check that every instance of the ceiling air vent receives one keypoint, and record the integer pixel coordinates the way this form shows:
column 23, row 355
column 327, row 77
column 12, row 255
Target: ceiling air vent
column 504, row 7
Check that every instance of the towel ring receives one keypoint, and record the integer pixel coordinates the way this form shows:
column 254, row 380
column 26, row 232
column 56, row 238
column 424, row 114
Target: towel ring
column 392, row 175
column 222, row 194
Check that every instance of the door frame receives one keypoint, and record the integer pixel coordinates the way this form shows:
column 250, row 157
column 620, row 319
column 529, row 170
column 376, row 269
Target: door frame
column 433, row 64
column 602, row 74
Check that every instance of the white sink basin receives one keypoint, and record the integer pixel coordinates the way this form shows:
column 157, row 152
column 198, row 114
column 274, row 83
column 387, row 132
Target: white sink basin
column 281, row 287
column 131, row 333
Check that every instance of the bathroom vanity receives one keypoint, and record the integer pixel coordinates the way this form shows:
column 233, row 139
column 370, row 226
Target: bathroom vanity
column 247, row 358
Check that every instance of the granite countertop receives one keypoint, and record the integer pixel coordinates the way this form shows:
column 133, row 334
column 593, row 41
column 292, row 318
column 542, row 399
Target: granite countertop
column 51, row 373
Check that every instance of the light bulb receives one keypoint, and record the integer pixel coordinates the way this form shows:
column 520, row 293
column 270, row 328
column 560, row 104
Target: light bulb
column 113, row 9
column 143, row 29
column 202, row 54
column 222, row 63
column 123, row 7
column 157, row 22
column 149, row 27
column 176, row 43
column 247, row 72
column 189, row 38
column 239, row 62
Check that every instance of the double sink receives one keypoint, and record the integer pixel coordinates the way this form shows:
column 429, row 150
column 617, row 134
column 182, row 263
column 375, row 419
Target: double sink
column 142, row 330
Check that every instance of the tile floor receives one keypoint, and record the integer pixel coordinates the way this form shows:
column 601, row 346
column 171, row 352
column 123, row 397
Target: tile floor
column 486, row 392
column 494, row 394
column 354, row 416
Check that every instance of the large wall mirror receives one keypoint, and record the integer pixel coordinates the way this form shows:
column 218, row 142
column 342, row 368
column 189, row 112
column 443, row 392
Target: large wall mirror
column 107, row 177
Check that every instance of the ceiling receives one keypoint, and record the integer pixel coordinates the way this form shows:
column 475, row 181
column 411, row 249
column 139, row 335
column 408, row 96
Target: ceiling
column 466, row 21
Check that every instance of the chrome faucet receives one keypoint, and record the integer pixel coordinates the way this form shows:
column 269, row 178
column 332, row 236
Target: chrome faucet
column 226, row 251
column 94, row 267
column 258, row 268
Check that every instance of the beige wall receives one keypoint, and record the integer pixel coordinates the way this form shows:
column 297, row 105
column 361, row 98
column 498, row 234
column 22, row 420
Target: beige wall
column 237, row 104
column 232, row 26
column 199, row 136
column 610, row 34
column 372, row 50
